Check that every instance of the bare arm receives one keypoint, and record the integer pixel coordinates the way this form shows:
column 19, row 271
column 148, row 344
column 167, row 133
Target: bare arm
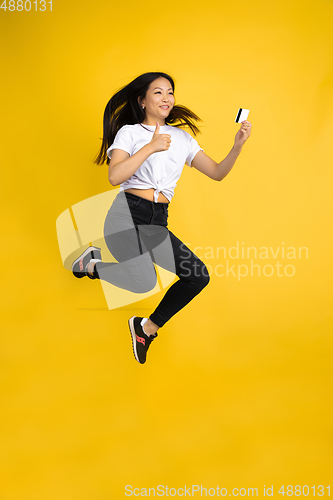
column 214, row 170
column 224, row 167
column 122, row 166
column 217, row 171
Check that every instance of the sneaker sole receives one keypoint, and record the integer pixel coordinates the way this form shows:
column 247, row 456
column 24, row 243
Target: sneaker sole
column 132, row 330
column 82, row 256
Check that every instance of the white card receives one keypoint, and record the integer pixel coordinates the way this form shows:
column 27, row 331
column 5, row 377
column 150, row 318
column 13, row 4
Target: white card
column 242, row 115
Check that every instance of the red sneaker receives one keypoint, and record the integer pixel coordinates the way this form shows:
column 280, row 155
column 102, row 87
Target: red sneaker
column 79, row 265
column 140, row 340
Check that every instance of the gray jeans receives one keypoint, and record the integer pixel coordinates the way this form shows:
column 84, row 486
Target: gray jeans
column 136, row 233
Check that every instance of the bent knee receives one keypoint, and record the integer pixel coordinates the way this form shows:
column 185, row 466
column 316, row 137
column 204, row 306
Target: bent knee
column 204, row 276
column 144, row 283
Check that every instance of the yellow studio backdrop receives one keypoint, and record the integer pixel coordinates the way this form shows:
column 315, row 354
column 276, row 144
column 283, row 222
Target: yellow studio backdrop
column 237, row 392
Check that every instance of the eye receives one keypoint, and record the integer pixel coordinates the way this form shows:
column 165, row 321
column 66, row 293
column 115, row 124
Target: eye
column 158, row 92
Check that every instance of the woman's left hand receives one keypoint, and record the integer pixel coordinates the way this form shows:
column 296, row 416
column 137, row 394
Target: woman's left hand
column 243, row 133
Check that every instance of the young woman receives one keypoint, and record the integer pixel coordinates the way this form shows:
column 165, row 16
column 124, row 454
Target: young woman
column 146, row 150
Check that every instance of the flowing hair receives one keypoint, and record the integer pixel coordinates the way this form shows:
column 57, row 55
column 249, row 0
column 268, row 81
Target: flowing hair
column 124, row 109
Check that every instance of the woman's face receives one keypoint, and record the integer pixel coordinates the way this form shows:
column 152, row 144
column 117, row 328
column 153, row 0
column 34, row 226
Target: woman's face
column 159, row 100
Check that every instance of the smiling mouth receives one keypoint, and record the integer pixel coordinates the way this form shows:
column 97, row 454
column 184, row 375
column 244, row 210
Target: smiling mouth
column 164, row 107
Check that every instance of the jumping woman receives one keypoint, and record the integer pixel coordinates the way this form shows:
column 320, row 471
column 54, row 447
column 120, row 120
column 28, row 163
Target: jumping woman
column 146, row 150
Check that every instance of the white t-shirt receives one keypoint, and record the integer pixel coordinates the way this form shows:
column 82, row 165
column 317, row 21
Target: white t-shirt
column 162, row 169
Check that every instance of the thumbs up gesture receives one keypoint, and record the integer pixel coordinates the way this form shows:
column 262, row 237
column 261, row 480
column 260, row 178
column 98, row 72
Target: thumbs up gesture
column 160, row 142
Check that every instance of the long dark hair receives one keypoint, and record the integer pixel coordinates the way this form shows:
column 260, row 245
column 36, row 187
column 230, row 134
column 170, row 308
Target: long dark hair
column 124, row 109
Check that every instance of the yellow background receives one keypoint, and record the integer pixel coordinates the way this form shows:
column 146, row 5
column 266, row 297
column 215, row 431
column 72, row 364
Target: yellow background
column 237, row 389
